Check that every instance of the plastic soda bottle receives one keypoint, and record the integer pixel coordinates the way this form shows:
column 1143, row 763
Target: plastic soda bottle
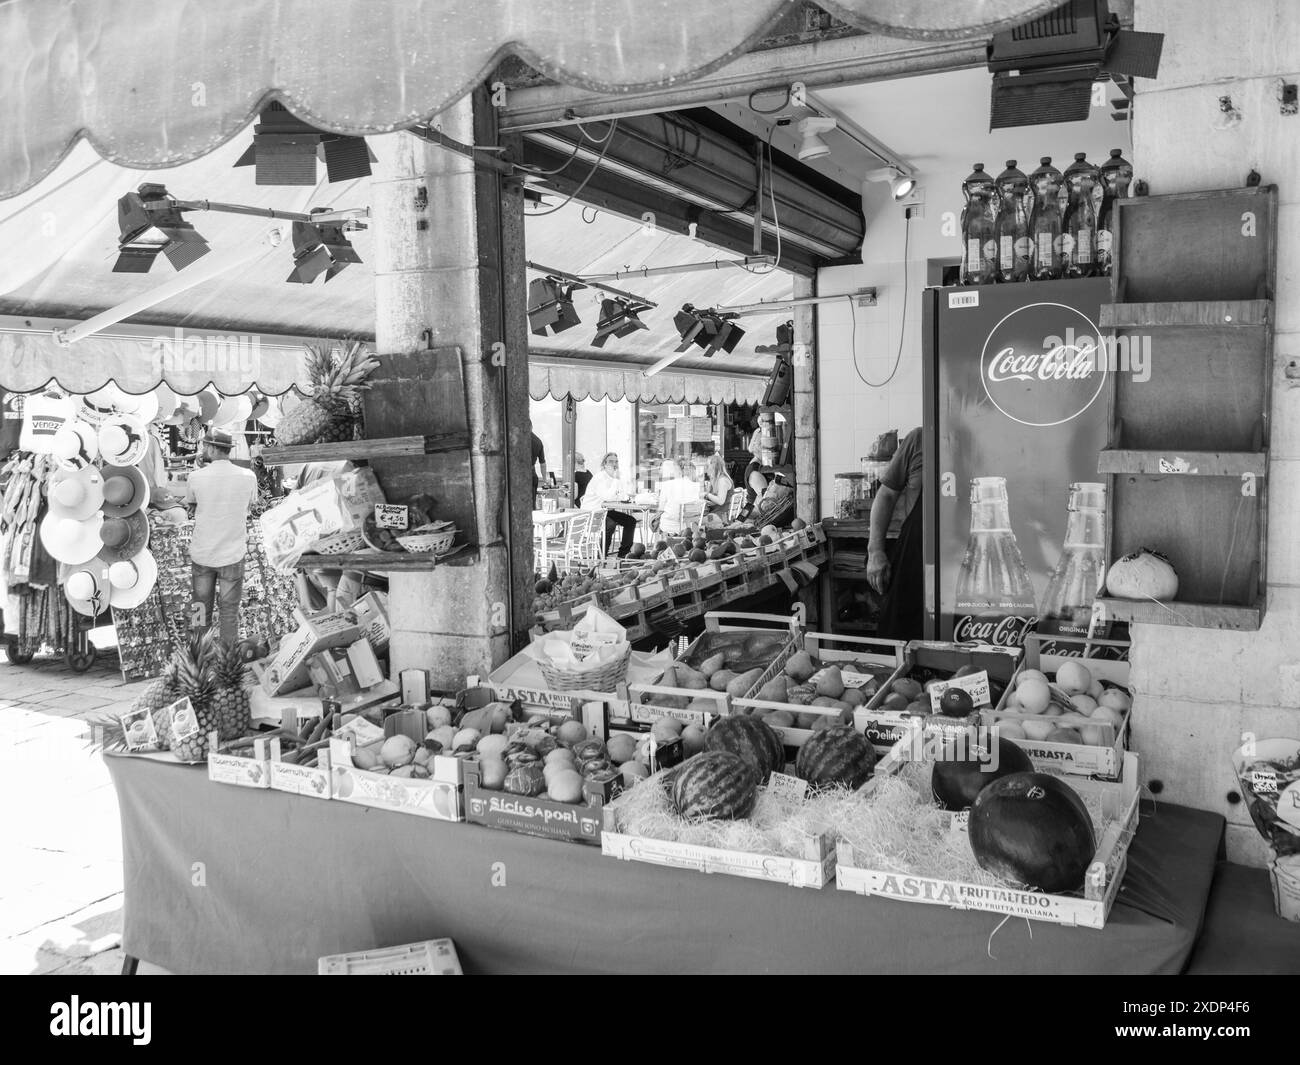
column 979, row 261
column 1045, row 222
column 1014, row 244
column 1116, row 175
column 1079, row 227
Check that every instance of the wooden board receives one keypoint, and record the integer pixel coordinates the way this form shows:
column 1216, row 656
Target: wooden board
column 385, row 561
column 1237, row 314
column 1198, row 463
column 384, row 447
column 1191, row 520
column 1179, row 612
column 1206, row 388
column 422, row 393
column 1196, row 246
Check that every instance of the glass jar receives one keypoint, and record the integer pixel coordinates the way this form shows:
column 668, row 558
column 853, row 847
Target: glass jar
column 850, row 493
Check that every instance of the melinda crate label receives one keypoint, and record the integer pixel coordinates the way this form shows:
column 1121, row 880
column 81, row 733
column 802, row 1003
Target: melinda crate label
column 533, row 816
column 976, row 685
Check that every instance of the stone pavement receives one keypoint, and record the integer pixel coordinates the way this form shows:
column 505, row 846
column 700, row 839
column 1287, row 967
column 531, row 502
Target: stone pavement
column 60, row 841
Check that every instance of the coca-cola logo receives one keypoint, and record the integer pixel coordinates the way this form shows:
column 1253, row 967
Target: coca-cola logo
column 1041, row 366
column 1000, row 631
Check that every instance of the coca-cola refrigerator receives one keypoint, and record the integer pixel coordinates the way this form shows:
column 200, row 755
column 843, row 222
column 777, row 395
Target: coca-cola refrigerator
column 1016, row 404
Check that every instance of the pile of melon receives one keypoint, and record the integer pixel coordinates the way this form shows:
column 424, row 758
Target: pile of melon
column 1071, row 707
column 728, row 663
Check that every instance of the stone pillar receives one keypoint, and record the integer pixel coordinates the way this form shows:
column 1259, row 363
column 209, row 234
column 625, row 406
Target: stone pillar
column 805, row 402
column 439, row 267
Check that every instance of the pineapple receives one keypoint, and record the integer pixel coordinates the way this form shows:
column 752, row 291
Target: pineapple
column 195, row 680
column 156, row 698
column 328, row 412
column 234, row 717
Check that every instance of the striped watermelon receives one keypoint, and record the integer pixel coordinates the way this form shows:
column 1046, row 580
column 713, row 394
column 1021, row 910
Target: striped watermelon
column 839, row 755
column 752, row 739
column 715, row 785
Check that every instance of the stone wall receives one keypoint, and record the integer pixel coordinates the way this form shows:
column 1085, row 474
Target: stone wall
column 1201, row 690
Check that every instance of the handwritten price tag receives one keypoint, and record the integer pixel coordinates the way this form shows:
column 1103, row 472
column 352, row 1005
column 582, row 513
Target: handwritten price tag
column 976, row 685
column 784, row 786
column 667, row 555
column 390, row 516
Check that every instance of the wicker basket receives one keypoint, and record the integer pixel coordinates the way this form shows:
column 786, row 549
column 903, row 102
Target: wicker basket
column 603, row 679
column 438, row 541
column 339, row 544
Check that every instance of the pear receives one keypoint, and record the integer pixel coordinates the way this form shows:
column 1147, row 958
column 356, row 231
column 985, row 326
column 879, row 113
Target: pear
column 712, row 664
column 800, row 666
column 854, row 697
column 739, row 687
column 691, row 678
column 775, row 690
column 669, row 679
column 719, row 681
column 829, row 682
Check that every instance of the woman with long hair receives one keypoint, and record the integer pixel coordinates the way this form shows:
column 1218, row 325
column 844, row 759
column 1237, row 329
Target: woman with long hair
column 717, row 487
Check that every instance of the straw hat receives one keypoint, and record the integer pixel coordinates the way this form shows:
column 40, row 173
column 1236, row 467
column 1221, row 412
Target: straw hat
column 71, row 541
column 125, row 491
column 260, row 406
column 208, row 406
column 123, row 538
column 167, row 401
column 132, row 580
column 87, row 587
column 270, row 417
column 75, row 445
column 143, row 406
column 123, row 440
column 76, row 494
column 98, row 406
column 234, row 411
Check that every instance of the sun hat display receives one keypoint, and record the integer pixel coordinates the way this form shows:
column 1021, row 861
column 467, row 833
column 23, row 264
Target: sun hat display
column 123, row 538
column 234, row 411
column 125, row 491
column 98, row 406
column 72, row 541
column 260, row 405
column 132, row 580
column 167, row 401
column 87, row 587
column 123, row 440
column 76, row 494
column 270, row 417
column 75, row 445
column 143, row 406
column 208, row 406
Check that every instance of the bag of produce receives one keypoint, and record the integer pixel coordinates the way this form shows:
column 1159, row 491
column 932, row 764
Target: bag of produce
column 1268, row 772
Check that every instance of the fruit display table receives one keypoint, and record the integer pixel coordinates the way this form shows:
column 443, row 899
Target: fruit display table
column 221, row 879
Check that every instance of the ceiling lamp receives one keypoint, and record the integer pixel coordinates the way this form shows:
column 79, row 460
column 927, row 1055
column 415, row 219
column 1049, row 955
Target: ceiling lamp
column 550, row 306
column 144, row 231
column 901, row 185
column 811, row 145
column 618, row 318
column 320, row 249
column 285, row 149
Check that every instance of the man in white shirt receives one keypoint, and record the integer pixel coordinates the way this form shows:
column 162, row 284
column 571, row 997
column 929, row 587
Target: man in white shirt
column 221, row 494
column 676, row 495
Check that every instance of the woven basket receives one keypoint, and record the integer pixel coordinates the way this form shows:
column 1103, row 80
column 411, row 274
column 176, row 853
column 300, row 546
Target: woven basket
column 436, row 542
column 339, row 544
column 604, row 679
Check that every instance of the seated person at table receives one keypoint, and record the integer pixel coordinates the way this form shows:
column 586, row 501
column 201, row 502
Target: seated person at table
column 674, row 492
column 717, row 487
column 605, row 487
column 581, row 478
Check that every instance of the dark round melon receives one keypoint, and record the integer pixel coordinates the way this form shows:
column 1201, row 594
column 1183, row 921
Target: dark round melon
column 752, row 739
column 840, row 755
column 715, row 785
column 966, row 768
column 1032, row 830
column 528, row 779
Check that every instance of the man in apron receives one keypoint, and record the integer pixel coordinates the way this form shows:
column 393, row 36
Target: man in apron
column 898, row 575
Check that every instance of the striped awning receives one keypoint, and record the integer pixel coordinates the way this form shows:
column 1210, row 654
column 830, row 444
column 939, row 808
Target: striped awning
column 154, row 84
column 559, row 379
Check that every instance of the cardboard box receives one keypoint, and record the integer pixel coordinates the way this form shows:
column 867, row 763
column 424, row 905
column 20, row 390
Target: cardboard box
column 436, row 957
column 417, row 686
column 372, row 617
column 438, row 797
column 330, row 671
column 288, row 669
column 251, row 768
column 365, row 666
column 311, row 781
column 533, row 816
column 1089, row 910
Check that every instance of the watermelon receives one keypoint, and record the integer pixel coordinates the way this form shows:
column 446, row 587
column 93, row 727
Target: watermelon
column 838, row 755
column 965, row 769
column 1032, row 830
column 716, row 785
column 751, row 739
column 527, row 779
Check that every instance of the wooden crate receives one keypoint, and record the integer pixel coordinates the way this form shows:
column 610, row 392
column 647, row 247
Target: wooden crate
column 1187, row 459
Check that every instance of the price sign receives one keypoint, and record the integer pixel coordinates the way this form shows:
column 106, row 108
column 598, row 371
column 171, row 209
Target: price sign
column 390, row 516
column 855, row 680
column 976, row 685
column 960, row 824
column 1263, row 781
column 667, row 555
column 784, row 786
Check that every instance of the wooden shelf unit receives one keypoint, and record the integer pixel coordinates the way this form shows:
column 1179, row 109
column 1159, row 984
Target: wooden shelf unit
column 1189, row 343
